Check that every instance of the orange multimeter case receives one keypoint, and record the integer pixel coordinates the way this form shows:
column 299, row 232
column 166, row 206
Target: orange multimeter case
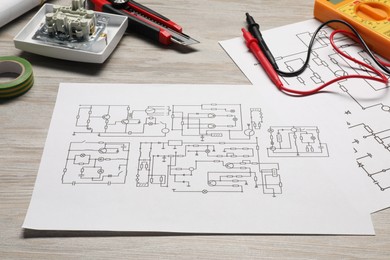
column 371, row 18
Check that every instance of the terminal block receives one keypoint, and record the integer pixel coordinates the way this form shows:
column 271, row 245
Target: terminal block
column 71, row 22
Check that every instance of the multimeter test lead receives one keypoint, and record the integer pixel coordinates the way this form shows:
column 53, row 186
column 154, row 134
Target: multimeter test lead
column 253, row 46
column 262, row 53
column 254, row 29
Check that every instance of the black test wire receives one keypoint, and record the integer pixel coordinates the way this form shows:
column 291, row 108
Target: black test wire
column 310, row 47
column 311, row 44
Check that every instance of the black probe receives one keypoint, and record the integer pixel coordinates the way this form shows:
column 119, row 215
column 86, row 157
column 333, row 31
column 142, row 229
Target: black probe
column 254, row 29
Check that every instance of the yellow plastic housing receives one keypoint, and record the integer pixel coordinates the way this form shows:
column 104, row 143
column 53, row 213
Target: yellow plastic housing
column 371, row 18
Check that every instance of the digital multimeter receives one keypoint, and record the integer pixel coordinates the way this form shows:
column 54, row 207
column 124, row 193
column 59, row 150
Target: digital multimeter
column 371, row 18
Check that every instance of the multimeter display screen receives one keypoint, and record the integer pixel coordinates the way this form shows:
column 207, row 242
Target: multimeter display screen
column 335, row 2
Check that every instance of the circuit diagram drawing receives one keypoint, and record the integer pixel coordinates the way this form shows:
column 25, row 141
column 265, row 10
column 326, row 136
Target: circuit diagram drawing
column 215, row 121
column 202, row 148
column 367, row 115
column 296, row 142
column 374, row 161
column 215, row 167
column 122, row 121
column 100, row 162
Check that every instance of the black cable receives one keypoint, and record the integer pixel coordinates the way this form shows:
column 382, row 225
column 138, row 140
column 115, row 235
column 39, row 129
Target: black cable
column 254, row 29
column 310, row 47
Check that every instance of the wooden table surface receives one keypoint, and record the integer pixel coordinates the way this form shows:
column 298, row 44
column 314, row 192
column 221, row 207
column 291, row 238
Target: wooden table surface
column 24, row 124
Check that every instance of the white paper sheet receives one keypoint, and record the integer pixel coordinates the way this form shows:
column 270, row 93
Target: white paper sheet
column 366, row 103
column 195, row 158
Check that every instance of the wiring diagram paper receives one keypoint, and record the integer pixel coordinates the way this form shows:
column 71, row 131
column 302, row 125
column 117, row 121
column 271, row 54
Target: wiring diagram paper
column 366, row 104
column 195, row 159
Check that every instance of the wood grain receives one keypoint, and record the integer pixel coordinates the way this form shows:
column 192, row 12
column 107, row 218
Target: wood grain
column 24, row 123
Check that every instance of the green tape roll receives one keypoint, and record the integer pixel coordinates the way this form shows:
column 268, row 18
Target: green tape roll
column 22, row 83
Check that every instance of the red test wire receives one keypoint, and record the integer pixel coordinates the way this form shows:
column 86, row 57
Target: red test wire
column 382, row 79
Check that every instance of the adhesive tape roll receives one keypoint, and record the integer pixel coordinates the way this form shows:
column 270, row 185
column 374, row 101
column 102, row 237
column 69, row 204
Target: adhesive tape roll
column 22, row 83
